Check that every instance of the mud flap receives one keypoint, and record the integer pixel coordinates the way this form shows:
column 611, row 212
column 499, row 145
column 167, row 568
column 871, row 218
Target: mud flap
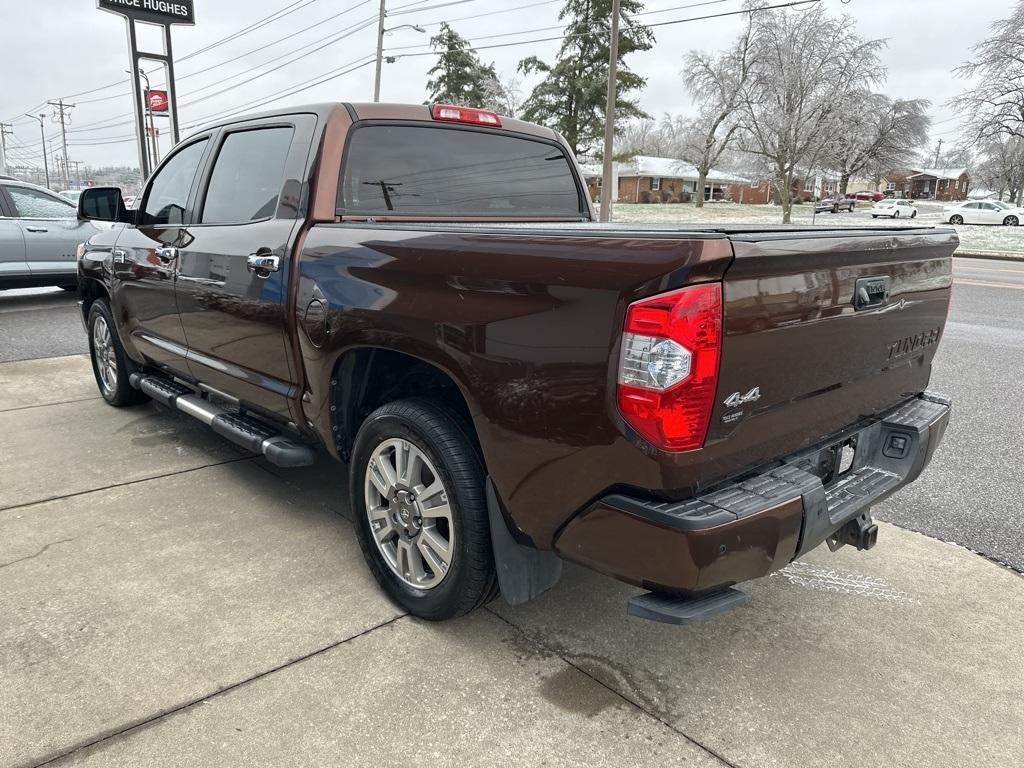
column 523, row 572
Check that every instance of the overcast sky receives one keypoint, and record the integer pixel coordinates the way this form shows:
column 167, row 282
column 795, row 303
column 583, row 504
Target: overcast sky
column 55, row 48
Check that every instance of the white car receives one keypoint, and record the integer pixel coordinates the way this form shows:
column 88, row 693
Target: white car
column 983, row 212
column 71, row 194
column 894, row 209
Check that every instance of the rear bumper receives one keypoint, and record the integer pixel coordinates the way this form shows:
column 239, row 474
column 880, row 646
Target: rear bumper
column 750, row 527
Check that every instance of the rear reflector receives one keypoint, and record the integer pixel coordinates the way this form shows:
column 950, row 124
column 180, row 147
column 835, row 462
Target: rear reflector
column 453, row 114
column 668, row 370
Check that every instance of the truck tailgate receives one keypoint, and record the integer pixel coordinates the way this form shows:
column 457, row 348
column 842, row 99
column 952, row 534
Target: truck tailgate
column 823, row 328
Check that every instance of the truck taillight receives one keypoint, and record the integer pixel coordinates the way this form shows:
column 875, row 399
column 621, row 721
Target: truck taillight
column 668, row 369
column 451, row 113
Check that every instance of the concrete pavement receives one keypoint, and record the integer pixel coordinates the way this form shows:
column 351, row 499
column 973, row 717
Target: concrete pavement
column 170, row 601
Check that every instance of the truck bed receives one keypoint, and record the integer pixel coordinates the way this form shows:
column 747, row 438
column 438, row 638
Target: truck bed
column 527, row 319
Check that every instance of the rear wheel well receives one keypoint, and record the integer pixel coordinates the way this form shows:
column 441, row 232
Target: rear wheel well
column 366, row 378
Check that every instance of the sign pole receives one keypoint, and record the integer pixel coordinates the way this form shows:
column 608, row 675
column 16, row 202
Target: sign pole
column 140, row 120
column 172, row 88
column 165, row 14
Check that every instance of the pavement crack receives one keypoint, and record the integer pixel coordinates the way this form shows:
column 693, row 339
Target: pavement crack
column 61, row 497
column 48, row 405
column 102, row 739
column 631, row 700
column 37, row 554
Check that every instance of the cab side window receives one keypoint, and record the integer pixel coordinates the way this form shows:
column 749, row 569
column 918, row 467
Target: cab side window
column 168, row 192
column 247, row 176
column 35, row 204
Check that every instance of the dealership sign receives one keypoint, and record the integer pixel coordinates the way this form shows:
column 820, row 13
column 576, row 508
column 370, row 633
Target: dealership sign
column 164, row 12
column 156, row 100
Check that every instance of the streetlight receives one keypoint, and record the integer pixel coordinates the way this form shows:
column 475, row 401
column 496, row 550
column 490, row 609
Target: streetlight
column 42, row 136
column 380, row 45
column 155, row 153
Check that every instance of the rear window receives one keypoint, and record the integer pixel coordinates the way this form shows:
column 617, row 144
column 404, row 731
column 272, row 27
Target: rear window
column 437, row 171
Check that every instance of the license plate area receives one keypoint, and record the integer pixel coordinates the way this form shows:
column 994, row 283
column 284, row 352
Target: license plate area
column 835, row 462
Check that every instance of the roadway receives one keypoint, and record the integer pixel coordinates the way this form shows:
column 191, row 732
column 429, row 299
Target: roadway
column 971, row 494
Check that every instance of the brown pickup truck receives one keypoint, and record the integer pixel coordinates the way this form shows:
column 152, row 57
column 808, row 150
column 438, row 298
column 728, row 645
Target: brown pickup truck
column 422, row 293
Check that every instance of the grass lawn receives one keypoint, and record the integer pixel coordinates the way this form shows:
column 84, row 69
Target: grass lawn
column 973, row 238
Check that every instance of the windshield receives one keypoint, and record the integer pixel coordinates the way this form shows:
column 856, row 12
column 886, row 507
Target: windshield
column 441, row 172
column 1001, row 204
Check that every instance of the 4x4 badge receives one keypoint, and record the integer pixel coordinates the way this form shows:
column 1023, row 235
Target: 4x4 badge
column 736, row 399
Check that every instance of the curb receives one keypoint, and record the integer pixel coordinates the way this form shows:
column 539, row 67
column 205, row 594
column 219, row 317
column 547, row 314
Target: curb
column 996, row 256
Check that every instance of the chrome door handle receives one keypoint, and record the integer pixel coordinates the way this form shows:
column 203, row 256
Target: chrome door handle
column 263, row 265
column 167, row 254
column 37, row 229
column 119, row 255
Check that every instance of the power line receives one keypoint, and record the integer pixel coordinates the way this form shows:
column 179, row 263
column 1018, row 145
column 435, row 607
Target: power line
column 402, row 10
column 792, row 4
column 259, row 23
column 562, row 26
column 275, row 16
column 304, row 51
column 248, row 107
column 541, row 29
column 324, row 77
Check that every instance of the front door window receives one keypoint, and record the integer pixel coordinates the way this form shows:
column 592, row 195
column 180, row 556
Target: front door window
column 168, row 192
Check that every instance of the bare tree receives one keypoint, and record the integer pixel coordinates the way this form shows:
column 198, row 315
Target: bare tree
column 637, row 137
column 876, row 132
column 805, row 69
column 647, row 137
column 1001, row 167
column 717, row 83
column 502, row 94
column 994, row 105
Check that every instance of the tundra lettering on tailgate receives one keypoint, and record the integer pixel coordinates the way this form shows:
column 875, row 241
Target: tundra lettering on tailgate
column 902, row 347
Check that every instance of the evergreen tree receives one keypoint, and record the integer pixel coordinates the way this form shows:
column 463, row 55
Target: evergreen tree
column 459, row 77
column 572, row 96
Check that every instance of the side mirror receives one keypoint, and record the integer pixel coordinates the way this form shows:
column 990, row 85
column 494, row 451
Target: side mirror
column 102, row 204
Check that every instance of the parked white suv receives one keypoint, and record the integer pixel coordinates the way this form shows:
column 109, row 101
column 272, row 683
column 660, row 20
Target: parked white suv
column 39, row 237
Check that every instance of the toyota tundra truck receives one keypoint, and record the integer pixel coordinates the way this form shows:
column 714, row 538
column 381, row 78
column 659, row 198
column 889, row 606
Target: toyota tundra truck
column 423, row 293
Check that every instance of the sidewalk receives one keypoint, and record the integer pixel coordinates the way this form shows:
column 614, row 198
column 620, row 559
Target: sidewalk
column 167, row 600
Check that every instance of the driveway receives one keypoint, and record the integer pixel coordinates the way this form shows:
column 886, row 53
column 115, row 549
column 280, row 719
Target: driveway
column 167, row 600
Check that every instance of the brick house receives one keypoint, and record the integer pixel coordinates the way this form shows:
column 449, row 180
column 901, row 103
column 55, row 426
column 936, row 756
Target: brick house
column 939, row 184
column 928, row 183
column 645, row 179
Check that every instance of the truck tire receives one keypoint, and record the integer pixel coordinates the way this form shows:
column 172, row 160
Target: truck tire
column 417, row 493
column 110, row 365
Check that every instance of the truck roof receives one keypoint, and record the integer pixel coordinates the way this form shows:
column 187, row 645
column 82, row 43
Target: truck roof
column 375, row 111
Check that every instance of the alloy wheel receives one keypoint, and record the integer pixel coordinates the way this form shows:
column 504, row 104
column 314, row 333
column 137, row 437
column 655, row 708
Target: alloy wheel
column 956, row 220
column 1011, row 221
column 104, row 354
column 409, row 513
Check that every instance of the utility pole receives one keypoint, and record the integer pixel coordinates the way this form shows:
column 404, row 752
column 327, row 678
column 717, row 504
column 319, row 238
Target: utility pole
column 62, row 115
column 42, row 138
column 6, row 129
column 938, row 149
column 380, row 50
column 609, row 116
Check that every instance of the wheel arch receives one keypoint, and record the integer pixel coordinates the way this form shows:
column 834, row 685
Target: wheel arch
column 367, row 376
column 90, row 289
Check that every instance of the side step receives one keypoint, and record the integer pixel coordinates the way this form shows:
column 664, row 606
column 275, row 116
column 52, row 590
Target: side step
column 670, row 609
column 243, row 429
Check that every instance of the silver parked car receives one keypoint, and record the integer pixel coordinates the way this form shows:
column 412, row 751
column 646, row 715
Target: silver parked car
column 39, row 237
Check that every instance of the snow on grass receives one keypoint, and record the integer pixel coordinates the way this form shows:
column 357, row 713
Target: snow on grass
column 974, row 238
